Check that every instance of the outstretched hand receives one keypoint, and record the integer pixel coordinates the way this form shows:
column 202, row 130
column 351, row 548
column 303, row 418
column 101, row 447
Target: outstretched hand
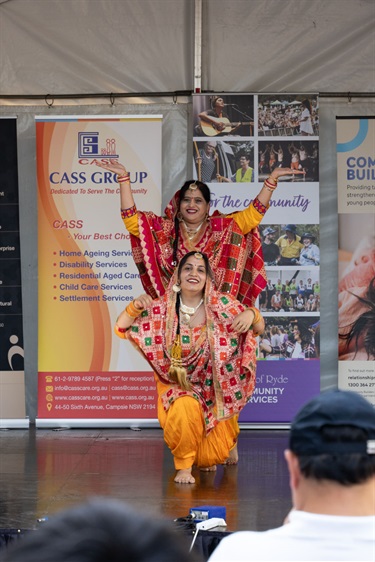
column 278, row 172
column 113, row 166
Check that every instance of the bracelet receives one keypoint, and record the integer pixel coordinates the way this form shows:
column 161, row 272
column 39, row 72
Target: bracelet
column 123, row 178
column 270, row 186
column 257, row 315
column 132, row 311
column 126, row 213
column 275, row 180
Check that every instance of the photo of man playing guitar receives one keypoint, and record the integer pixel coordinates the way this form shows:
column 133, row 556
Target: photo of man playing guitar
column 216, row 122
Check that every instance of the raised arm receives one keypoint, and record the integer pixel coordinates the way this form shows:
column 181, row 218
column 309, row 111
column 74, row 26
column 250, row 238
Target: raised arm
column 270, row 183
column 251, row 217
column 123, row 178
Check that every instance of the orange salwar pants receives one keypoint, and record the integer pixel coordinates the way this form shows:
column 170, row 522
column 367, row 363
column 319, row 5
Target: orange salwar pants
column 185, row 435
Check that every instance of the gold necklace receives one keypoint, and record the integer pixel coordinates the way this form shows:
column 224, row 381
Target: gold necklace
column 191, row 232
column 188, row 311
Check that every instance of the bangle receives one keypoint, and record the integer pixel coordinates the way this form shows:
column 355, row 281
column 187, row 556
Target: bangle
column 257, row 315
column 270, row 186
column 132, row 311
column 120, row 330
column 126, row 213
column 123, row 178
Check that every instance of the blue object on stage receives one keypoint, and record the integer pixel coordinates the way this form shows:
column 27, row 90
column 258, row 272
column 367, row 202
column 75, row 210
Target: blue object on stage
column 204, row 512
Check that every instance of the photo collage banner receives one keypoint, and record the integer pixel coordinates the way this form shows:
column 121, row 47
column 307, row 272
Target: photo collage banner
column 238, row 140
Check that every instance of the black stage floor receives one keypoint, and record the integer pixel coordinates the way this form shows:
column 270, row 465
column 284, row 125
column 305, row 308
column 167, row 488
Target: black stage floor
column 43, row 471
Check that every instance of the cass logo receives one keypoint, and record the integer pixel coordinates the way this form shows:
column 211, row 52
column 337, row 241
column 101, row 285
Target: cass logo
column 89, row 146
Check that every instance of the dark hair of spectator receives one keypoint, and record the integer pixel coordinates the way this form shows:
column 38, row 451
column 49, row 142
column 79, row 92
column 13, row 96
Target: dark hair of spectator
column 101, row 530
column 346, row 469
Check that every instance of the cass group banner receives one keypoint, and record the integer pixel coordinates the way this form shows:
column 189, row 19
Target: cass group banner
column 356, row 207
column 238, row 140
column 86, row 271
column 12, row 376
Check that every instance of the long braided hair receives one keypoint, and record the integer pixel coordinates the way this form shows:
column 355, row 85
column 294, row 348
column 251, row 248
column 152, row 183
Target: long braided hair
column 206, row 193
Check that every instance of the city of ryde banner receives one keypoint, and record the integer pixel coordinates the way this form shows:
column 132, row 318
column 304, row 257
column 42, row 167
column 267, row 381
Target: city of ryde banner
column 86, row 374
column 356, row 287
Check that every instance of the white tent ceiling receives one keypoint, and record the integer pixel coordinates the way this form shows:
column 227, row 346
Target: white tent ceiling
column 96, row 46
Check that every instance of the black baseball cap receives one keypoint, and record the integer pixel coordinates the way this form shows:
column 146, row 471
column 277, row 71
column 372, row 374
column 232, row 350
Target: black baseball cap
column 332, row 408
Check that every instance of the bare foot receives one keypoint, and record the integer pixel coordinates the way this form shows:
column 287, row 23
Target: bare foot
column 233, row 456
column 184, row 476
column 208, row 468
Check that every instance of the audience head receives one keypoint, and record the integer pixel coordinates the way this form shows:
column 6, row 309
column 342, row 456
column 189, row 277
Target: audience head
column 101, row 530
column 333, row 437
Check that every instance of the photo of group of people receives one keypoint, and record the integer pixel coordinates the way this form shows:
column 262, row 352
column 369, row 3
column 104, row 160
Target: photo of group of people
column 288, row 115
column 297, row 155
column 290, row 244
column 291, row 291
column 290, row 338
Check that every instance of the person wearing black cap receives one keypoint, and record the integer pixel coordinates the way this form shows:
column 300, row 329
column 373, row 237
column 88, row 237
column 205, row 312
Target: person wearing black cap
column 290, row 246
column 270, row 250
column 331, row 462
column 310, row 253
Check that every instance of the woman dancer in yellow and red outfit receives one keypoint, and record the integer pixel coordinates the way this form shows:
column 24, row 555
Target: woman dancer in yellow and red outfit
column 200, row 345
column 231, row 242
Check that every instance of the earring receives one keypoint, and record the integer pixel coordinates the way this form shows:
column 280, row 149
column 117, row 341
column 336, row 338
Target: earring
column 179, row 216
column 176, row 288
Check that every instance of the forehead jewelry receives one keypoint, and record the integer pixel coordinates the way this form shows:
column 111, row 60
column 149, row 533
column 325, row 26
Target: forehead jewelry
column 198, row 256
column 193, row 186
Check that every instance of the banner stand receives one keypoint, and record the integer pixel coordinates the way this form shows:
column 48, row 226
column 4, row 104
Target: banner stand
column 71, row 423
column 14, row 423
column 264, row 425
